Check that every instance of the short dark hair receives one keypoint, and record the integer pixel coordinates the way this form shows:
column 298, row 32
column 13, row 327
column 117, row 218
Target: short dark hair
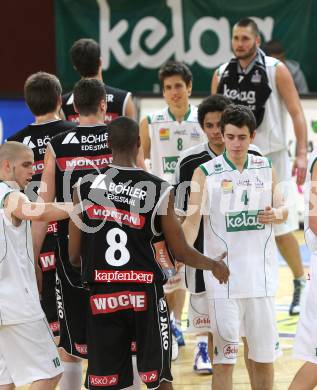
column 85, row 56
column 41, row 93
column 173, row 68
column 214, row 103
column 88, row 94
column 248, row 22
column 239, row 116
column 273, row 47
column 123, row 133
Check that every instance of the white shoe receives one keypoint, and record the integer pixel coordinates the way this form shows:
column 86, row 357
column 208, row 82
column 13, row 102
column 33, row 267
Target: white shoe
column 202, row 363
column 174, row 348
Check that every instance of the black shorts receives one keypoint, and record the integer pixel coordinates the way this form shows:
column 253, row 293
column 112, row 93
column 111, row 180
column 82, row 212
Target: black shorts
column 72, row 307
column 47, row 262
column 117, row 314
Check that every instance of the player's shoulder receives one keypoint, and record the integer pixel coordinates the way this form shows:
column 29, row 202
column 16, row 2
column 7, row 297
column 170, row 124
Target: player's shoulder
column 253, row 149
column 259, row 162
column 192, row 153
column 68, row 98
column 220, row 70
column 214, row 166
column 271, row 62
column 60, row 137
column 159, row 116
column 19, row 135
column 115, row 91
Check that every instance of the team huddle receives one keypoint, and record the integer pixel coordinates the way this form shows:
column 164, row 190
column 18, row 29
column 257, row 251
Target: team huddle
column 105, row 225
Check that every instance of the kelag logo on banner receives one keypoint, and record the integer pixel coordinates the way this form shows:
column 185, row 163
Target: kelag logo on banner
column 137, row 37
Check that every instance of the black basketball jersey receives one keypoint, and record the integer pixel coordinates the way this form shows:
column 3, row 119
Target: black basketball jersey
column 116, row 103
column 122, row 240
column 76, row 152
column 37, row 136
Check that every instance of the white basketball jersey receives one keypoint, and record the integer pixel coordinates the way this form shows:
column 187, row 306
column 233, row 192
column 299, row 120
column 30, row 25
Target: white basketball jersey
column 231, row 225
column 310, row 237
column 169, row 138
column 19, row 298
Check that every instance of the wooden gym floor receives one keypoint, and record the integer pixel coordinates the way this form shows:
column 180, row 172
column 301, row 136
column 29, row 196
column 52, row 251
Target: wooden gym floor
column 285, row 367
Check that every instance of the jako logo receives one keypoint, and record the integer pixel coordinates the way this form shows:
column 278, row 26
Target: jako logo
column 244, row 220
column 70, row 139
column 169, row 164
column 164, row 332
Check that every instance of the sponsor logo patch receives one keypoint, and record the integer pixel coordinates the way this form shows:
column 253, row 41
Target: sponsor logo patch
column 123, row 300
column 163, row 259
column 148, row 377
column 81, row 348
column 83, row 163
column 227, row 186
column 48, row 261
column 162, row 305
column 102, row 276
column 169, row 164
column 54, row 326
column 27, row 141
column 112, row 214
column 164, row 134
column 38, row 167
column 52, row 228
column 201, row 321
column 97, row 380
column 218, row 168
column 243, row 220
column 230, row 351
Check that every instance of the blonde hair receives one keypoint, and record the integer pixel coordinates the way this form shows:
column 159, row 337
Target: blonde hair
column 12, row 150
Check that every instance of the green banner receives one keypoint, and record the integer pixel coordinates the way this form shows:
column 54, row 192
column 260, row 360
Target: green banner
column 136, row 37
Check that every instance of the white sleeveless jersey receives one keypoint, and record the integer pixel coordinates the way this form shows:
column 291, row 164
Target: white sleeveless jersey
column 19, row 298
column 230, row 224
column 310, row 237
column 271, row 134
column 169, row 138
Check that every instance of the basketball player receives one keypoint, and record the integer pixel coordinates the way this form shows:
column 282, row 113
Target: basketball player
column 69, row 156
column 165, row 134
column 129, row 237
column 305, row 347
column 27, row 350
column 86, row 59
column 42, row 93
column 265, row 85
column 236, row 196
column 209, row 115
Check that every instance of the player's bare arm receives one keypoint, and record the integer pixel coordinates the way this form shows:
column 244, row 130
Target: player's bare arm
column 214, row 82
column 130, row 108
column 74, row 243
column 185, row 253
column 145, row 138
column 196, row 199
column 288, row 92
column 18, row 207
column 46, row 194
column 313, row 201
column 279, row 212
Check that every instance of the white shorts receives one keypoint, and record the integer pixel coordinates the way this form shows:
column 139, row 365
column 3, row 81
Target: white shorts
column 257, row 318
column 305, row 345
column 177, row 282
column 198, row 313
column 283, row 169
column 27, row 353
